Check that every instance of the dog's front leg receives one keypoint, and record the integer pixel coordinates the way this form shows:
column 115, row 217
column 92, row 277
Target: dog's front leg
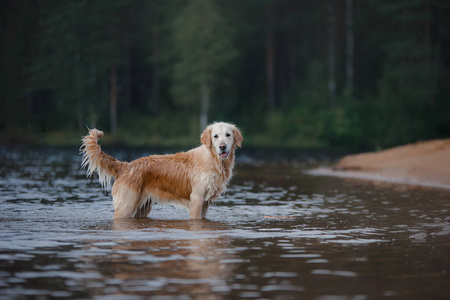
column 206, row 205
column 196, row 206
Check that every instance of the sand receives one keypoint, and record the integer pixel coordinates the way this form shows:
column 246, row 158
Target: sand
column 423, row 163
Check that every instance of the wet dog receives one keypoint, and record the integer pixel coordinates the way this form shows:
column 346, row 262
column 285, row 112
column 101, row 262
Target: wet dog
column 191, row 179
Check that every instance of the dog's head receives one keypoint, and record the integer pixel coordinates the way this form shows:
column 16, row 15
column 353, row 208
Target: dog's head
column 221, row 138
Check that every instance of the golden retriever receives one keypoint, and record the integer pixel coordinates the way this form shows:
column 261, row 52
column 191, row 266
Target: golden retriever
column 191, row 179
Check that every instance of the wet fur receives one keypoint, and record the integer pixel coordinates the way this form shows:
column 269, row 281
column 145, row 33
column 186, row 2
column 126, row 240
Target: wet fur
column 191, row 179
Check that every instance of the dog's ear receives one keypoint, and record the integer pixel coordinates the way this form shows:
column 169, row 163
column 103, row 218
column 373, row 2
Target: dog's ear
column 237, row 137
column 205, row 138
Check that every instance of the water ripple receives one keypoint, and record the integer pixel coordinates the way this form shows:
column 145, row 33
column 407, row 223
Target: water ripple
column 277, row 232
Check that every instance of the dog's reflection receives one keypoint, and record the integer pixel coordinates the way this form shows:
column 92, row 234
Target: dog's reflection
column 151, row 224
column 186, row 256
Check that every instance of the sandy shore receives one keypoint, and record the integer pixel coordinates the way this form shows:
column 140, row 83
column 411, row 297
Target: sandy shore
column 423, row 163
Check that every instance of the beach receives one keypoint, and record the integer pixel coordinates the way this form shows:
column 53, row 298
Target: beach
column 425, row 163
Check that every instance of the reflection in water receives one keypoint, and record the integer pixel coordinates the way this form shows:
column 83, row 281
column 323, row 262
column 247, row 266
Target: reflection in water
column 190, row 258
column 327, row 238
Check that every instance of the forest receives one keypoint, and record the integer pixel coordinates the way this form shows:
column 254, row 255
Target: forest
column 289, row 73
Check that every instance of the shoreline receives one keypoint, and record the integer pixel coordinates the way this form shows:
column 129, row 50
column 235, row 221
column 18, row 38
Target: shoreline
column 374, row 177
column 425, row 163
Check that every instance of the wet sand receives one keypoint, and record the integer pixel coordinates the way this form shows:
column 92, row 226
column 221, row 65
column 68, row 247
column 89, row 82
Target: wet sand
column 424, row 163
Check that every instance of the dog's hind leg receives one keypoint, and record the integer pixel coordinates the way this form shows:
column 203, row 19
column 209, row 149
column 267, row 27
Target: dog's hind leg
column 125, row 202
column 205, row 208
column 144, row 210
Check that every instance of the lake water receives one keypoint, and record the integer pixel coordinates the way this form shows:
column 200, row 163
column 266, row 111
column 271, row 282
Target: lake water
column 277, row 233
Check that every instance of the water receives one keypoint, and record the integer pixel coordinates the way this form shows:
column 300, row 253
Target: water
column 276, row 234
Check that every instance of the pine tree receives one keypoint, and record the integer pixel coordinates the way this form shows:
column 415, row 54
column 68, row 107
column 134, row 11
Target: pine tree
column 204, row 44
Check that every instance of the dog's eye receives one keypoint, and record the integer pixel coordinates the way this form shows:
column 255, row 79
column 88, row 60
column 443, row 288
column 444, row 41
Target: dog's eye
column 216, row 136
column 228, row 134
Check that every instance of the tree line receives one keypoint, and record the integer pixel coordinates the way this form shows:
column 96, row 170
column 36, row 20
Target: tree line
column 293, row 73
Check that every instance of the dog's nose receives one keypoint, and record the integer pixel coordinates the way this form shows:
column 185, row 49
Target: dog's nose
column 222, row 147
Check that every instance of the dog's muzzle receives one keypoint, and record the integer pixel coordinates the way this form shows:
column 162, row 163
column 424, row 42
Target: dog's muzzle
column 223, row 151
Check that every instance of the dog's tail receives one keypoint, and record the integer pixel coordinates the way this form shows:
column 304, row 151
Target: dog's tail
column 107, row 167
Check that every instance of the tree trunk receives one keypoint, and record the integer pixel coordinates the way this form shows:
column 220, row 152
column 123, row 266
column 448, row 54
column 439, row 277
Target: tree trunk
column 80, row 104
column 331, row 54
column 155, row 69
column 127, row 75
column 430, row 65
column 205, row 94
column 350, row 45
column 113, row 100
column 270, row 59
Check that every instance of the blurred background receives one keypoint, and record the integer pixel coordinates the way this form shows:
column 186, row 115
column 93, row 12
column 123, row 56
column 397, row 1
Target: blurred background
column 289, row 73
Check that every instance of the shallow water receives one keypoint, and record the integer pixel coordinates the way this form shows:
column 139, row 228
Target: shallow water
column 277, row 233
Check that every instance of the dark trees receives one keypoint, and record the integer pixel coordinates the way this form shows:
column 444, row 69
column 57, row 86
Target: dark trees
column 300, row 73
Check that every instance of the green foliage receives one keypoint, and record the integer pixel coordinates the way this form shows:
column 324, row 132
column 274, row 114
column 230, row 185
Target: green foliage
column 312, row 123
column 167, row 129
column 204, row 42
column 18, row 33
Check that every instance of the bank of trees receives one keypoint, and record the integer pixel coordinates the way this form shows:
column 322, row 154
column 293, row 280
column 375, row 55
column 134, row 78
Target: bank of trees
column 291, row 73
